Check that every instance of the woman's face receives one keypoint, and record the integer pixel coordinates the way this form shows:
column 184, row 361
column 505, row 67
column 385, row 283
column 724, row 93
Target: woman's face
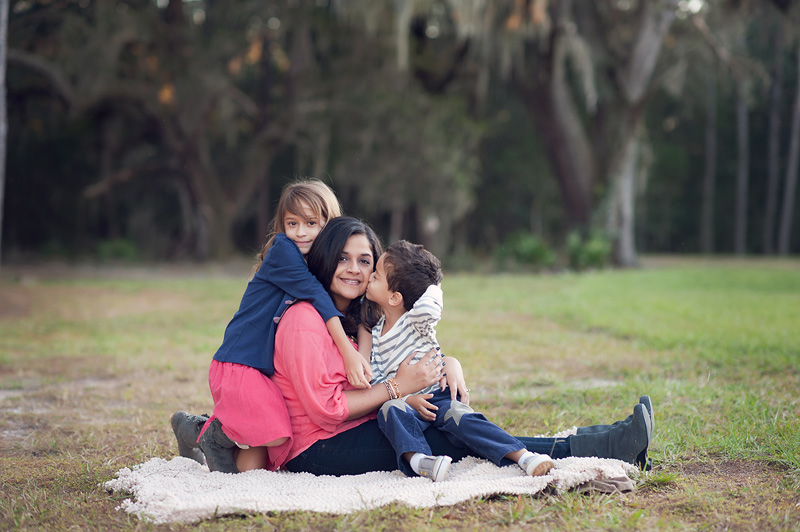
column 352, row 272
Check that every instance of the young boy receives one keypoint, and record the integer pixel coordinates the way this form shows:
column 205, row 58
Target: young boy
column 406, row 285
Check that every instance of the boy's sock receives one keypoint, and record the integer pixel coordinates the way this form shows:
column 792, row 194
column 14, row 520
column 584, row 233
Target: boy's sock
column 414, row 462
column 535, row 464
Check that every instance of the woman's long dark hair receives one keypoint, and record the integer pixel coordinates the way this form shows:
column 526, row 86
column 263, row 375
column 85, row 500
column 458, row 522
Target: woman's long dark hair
column 323, row 259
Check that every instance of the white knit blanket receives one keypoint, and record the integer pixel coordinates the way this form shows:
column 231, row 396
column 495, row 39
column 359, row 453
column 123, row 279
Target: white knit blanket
column 181, row 490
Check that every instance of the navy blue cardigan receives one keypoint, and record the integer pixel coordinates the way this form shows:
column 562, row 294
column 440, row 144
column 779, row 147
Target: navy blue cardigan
column 282, row 279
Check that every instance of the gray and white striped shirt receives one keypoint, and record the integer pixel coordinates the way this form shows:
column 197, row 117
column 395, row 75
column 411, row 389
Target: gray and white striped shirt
column 413, row 332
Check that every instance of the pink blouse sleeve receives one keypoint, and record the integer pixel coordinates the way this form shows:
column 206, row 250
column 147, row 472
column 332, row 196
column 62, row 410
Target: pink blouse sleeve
column 310, row 361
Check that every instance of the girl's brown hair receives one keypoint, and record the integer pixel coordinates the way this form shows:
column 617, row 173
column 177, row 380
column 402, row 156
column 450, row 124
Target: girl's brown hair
column 312, row 192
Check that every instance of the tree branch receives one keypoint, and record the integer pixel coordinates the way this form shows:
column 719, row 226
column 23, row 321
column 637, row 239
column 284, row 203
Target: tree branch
column 638, row 72
column 122, row 176
column 50, row 72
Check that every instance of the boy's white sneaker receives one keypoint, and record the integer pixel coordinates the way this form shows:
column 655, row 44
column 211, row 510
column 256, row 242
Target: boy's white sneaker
column 434, row 467
column 537, row 465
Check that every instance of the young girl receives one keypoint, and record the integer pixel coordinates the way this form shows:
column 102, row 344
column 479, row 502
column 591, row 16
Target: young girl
column 250, row 427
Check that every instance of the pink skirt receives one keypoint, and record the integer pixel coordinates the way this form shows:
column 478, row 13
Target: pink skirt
column 250, row 408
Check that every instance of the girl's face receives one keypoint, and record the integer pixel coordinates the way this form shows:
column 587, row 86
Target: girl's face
column 352, row 272
column 303, row 227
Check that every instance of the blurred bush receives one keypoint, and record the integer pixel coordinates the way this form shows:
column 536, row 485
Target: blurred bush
column 117, row 250
column 593, row 252
column 527, row 250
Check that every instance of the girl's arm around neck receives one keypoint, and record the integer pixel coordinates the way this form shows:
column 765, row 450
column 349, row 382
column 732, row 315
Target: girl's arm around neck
column 365, row 342
column 285, row 267
column 357, row 367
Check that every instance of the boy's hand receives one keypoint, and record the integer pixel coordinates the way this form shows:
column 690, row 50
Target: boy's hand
column 453, row 376
column 422, row 406
column 358, row 370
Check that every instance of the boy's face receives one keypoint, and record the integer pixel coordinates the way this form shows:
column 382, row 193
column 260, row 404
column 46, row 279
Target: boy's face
column 302, row 229
column 378, row 288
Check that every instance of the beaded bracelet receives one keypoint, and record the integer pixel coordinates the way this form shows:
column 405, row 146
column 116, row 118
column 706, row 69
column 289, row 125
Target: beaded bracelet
column 390, row 390
column 395, row 389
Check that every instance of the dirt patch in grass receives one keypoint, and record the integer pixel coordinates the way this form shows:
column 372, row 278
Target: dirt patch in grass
column 16, row 302
column 727, row 495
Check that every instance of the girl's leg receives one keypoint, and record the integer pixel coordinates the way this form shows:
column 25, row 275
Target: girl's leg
column 252, row 458
column 256, row 457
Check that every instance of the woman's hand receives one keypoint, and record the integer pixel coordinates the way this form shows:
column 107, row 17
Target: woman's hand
column 412, row 378
column 453, row 377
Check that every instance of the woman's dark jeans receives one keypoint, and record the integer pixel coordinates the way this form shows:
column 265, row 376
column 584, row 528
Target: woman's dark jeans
column 364, row 448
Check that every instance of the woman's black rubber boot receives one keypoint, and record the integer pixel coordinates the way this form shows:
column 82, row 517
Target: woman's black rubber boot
column 624, row 440
column 642, row 460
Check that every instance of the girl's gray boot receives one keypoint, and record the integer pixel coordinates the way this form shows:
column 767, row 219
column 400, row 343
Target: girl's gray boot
column 187, row 429
column 218, row 449
column 624, row 441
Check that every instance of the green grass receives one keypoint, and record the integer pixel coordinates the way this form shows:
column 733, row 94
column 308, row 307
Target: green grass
column 91, row 369
column 720, row 346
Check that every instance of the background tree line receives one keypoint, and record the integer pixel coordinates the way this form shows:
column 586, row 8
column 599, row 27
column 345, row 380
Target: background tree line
column 166, row 129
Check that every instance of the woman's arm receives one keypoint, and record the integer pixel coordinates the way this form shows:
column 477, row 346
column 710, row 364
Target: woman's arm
column 410, row 378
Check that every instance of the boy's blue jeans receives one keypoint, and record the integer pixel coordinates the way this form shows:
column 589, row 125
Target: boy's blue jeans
column 464, row 427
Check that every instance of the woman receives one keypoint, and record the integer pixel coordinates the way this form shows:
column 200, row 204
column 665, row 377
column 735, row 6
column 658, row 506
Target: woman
column 333, row 424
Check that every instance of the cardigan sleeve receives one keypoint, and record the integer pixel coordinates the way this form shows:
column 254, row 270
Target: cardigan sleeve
column 285, row 267
column 309, row 360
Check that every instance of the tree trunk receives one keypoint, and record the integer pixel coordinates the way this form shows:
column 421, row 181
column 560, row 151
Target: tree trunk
column 577, row 162
column 3, row 113
column 621, row 219
column 787, row 212
column 405, row 10
column 110, row 128
column 567, row 145
column 773, row 148
column 215, row 234
column 710, row 171
column 742, row 167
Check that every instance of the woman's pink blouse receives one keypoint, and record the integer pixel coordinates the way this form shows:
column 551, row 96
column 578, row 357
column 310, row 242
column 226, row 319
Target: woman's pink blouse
column 310, row 373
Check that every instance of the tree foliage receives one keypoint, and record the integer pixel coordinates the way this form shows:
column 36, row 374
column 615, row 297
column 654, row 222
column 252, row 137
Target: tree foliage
column 173, row 125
